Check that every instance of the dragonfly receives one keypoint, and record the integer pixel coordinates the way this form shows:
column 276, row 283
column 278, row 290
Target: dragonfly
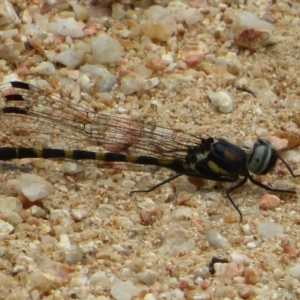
column 37, row 123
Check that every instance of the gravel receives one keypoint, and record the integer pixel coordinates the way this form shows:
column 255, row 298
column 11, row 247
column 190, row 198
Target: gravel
column 208, row 68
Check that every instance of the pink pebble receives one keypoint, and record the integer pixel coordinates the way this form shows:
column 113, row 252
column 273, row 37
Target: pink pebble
column 268, row 201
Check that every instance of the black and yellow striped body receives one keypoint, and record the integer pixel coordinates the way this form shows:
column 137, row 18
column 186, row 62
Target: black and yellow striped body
column 8, row 153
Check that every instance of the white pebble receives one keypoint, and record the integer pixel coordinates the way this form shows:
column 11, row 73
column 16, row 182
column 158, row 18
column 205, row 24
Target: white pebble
column 177, row 294
column 70, row 58
column 57, row 214
column 176, row 243
column 251, row 245
column 151, row 83
column 66, row 27
column 104, row 79
column 156, row 12
column 10, row 204
column 101, row 279
column 222, row 100
column 73, row 255
column 295, row 271
column 8, row 14
column 80, row 214
column 123, row 290
column 64, row 241
column 150, row 297
column 240, row 257
column 215, row 239
column 37, row 211
column 106, row 49
column 131, row 83
column 34, row 187
column 269, row 229
column 5, row 228
column 13, row 218
column 201, row 272
column 44, row 68
column 71, row 168
column 147, row 276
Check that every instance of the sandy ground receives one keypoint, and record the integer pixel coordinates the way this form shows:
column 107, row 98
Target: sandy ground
column 89, row 239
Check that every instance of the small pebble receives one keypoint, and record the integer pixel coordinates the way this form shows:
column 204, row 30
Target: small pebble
column 31, row 186
column 251, row 276
column 103, row 78
column 44, row 68
column 105, row 49
column 295, row 271
column 268, row 202
column 147, row 276
column 5, row 228
column 66, row 27
column 215, row 239
column 250, row 32
column 288, row 140
column 38, row 212
column 123, row 290
column 177, row 243
column 131, row 83
column 72, row 58
column 229, row 270
column 269, row 229
column 100, row 278
column 222, row 100
column 290, row 251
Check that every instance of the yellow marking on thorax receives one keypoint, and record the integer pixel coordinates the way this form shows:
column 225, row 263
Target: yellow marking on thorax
column 215, row 168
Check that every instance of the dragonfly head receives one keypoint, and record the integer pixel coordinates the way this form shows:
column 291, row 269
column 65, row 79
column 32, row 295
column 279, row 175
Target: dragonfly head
column 262, row 158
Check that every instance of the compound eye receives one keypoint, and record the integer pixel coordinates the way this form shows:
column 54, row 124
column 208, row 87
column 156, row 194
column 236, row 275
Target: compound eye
column 262, row 159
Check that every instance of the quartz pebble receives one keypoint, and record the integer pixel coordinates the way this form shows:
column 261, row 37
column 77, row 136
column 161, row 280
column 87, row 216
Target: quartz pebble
column 70, row 58
column 105, row 49
column 100, row 278
column 295, row 271
column 103, row 78
column 131, row 83
column 8, row 16
column 38, row 212
column 229, row 270
column 222, row 100
column 5, row 227
column 123, row 290
column 44, row 68
column 215, row 239
column 176, row 243
column 159, row 30
column 269, row 229
column 147, row 276
column 10, row 50
column 67, row 27
column 31, row 186
column 250, row 32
